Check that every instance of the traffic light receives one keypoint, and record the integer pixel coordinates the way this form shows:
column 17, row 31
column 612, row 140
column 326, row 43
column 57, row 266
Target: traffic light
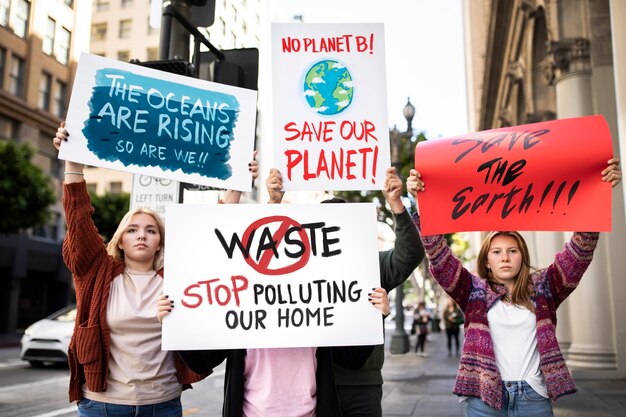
column 238, row 67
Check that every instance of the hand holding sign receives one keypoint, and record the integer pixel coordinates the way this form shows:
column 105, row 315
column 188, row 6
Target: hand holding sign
column 274, row 185
column 612, row 173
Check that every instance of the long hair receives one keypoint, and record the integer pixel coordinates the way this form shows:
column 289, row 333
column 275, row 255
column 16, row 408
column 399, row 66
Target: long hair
column 113, row 248
column 521, row 287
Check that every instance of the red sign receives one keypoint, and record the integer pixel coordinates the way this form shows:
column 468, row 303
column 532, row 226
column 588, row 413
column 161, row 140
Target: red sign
column 541, row 176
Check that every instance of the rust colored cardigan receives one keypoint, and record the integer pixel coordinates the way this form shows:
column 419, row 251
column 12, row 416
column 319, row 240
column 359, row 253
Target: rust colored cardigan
column 93, row 270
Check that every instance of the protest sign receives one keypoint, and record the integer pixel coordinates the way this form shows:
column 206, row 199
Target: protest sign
column 267, row 276
column 140, row 120
column 540, row 176
column 330, row 106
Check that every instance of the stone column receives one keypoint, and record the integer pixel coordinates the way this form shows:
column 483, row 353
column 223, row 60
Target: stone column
column 588, row 312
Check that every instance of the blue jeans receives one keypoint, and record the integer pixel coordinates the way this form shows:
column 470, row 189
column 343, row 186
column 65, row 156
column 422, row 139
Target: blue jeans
column 90, row 408
column 519, row 400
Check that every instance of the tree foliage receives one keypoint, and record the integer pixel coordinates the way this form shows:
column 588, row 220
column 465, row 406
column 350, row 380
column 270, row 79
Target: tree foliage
column 109, row 210
column 25, row 190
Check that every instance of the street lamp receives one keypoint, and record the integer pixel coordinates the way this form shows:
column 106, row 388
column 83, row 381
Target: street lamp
column 399, row 338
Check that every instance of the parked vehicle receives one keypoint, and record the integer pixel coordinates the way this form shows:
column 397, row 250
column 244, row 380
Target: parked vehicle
column 47, row 340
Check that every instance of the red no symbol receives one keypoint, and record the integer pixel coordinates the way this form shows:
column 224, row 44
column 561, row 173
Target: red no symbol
column 285, row 225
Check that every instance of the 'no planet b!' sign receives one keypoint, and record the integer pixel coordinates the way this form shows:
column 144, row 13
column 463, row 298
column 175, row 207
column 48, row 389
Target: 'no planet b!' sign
column 136, row 119
column 540, row 176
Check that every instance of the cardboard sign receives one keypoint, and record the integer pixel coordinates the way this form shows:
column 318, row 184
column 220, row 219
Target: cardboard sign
column 267, row 276
column 541, row 176
column 140, row 120
column 330, row 106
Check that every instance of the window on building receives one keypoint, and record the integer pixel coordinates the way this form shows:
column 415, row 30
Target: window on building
column 115, row 187
column 127, row 3
column 233, row 40
column 45, row 84
column 16, row 76
column 60, row 94
column 46, row 150
column 92, row 187
column 244, row 27
column 126, row 26
column 152, row 54
column 48, row 40
column 151, row 30
column 3, row 64
column 123, row 56
column 8, row 127
column 4, row 12
column 20, row 21
column 102, row 5
column 234, row 12
column 223, row 23
column 98, row 31
column 69, row 3
column 63, row 48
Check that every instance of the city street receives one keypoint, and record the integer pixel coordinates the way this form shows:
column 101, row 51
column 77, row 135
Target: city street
column 414, row 386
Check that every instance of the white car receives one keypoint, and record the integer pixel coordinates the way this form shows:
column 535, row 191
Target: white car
column 47, row 340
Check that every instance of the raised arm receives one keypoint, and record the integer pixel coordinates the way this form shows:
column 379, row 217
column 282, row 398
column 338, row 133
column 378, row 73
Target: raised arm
column 274, row 184
column 397, row 264
column 570, row 264
column 82, row 244
column 73, row 171
column 446, row 268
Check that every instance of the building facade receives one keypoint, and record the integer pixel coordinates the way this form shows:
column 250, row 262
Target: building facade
column 39, row 46
column 538, row 60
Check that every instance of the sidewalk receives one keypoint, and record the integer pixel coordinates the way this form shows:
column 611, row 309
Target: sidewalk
column 416, row 386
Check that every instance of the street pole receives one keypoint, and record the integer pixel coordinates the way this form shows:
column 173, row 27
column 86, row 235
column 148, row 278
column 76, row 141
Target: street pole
column 175, row 38
column 399, row 338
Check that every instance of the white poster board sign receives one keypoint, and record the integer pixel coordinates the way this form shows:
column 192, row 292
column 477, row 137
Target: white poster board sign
column 274, row 275
column 330, row 106
column 136, row 119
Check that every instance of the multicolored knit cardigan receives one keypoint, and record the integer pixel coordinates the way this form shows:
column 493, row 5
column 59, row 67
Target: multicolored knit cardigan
column 478, row 375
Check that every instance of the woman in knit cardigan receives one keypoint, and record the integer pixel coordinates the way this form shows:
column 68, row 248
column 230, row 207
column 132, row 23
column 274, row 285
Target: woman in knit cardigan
column 511, row 363
column 115, row 357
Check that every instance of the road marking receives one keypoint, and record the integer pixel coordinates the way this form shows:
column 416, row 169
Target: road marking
column 59, row 412
column 35, row 384
column 12, row 364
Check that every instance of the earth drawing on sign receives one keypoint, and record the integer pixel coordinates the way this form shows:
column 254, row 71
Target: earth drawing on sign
column 328, row 87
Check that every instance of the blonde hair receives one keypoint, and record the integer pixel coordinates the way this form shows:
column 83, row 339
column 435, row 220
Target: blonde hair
column 521, row 287
column 113, row 245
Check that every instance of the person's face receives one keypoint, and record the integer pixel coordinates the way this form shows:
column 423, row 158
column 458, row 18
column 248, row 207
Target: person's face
column 504, row 258
column 141, row 240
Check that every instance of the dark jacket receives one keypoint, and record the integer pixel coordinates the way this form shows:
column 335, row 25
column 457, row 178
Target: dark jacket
column 351, row 357
column 396, row 265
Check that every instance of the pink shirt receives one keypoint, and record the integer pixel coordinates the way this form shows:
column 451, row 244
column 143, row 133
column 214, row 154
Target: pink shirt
column 280, row 382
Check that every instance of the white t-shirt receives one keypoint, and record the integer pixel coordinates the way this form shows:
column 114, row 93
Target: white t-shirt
column 514, row 333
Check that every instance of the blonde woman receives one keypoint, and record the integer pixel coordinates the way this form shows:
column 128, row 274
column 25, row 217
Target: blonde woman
column 115, row 357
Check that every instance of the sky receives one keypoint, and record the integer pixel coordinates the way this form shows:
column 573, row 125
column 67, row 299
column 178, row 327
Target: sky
column 424, row 54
